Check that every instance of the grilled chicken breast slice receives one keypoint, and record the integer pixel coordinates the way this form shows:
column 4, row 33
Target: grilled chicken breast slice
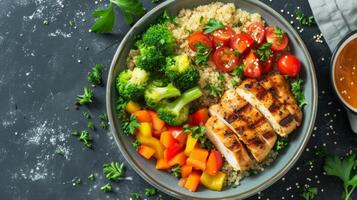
column 280, row 89
column 228, row 144
column 276, row 113
column 253, row 140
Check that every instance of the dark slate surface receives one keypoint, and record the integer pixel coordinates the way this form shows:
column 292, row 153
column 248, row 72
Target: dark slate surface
column 43, row 68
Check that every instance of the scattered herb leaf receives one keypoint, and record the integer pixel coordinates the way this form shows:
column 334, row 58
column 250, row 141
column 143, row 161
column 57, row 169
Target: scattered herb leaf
column 130, row 9
column 202, row 53
column 309, row 193
column 105, row 18
column 106, row 188
column 103, row 120
column 149, row 192
column 86, row 97
column 113, row 171
column 215, row 90
column 278, row 32
column 238, row 71
column 95, row 75
column 296, row 89
column 212, row 25
column 90, row 125
column 86, row 115
column 264, row 51
column 136, row 144
column 176, row 171
column 280, row 144
column 130, row 126
column 85, row 138
column 135, row 195
column 305, row 20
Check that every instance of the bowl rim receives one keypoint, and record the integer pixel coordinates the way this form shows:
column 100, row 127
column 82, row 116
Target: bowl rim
column 339, row 47
column 259, row 187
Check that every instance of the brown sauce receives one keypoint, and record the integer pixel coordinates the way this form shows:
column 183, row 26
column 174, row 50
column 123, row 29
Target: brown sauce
column 346, row 73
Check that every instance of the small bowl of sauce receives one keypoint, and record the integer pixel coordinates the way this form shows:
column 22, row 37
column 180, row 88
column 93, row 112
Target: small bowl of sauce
column 344, row 75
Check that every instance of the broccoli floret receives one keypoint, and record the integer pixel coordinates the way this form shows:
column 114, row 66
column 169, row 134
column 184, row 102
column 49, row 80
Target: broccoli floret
column 154, row 94
column 161, row 37
column 176, row 112
column 181, row 72
column 131, row 84
column 150, row 58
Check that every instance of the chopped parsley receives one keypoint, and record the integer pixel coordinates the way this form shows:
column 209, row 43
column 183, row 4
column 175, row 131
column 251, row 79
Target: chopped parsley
column 106, row 188
column 135, row 195
column 305, row 20
column 280, row 144
column 113, row 171
column 130, row 126
column 296, row 89
column 202, row 53
column 91, row 177
column 86, row 139
column 86, row 97
column 264, row 51
column 279, row 33
column 105, row 18
column 343, row 168
column 130, row 9
column 136, row 144
column 167, row 18
column 120, row 108
column 199, row 132
column 215, row 90
column 86, row 115
column 176, row 171
column 149, row 192
column 212, row 25
column 95, row 75
column 238, row 24
column 238, row 71
column 103, row 121
column 309, row 193
column 90, row 125
column 234, row 82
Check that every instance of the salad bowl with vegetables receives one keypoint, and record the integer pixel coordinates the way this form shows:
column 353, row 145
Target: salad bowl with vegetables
column 209, row 101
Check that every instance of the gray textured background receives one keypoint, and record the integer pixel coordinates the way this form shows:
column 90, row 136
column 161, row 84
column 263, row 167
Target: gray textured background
column 43, row 68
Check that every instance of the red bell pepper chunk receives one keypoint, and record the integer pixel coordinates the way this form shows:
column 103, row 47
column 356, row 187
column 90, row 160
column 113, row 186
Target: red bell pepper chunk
column 200, row 117
column 177, row 133
column 171, row 151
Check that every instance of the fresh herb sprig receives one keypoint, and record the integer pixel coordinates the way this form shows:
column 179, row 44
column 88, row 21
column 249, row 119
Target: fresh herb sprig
column 304, row 20
column 86, row 97
column 103, row 121
column 84, row 137
column 238, row 71
column 202, row 53
column 296, row 89
column 130, row 9
column 149, row 192
column 264, row 51
column 199, row 132
column 135, row 195
column 106, row 188
column 95, row 75
column 130, row 126
column 212, row 25
column 136, row 144
column 309, row 193
column 176, row 171
column 343, row 169
column 280, row 144
column 113, row 171
column 279, row 33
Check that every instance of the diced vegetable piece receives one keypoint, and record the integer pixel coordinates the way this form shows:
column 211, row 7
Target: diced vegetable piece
column 193, row 181
column 153, row 143
column 213, row 182
column 214, row 163
column 179, row 159
column 146, row 151
column 200, row 117
column 132, row 107
column 162, row 164
column 178, row 134
column 142, row 116
column 197, row 158
column 157, row 123
column 167, row 139
column 186, row 170
column 182, row 182
column 172, row 150
column 190, row 144
column 145, row 129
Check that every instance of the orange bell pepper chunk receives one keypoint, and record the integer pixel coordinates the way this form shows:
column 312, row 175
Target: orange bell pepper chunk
column 197, row 158
column 186, row 170
column 179, row 159
column 143, row 116
column 162, row 164
column 214, row 163
column 166, row 139
column 157, row 123
column 193, row 181
column 146, row 151
column 153, row 143
column 182, row 182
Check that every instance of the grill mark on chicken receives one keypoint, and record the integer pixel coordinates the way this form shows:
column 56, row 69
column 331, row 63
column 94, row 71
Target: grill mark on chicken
column 257, row 123
column 268, row 135
column 286, row 120
column 237, row 113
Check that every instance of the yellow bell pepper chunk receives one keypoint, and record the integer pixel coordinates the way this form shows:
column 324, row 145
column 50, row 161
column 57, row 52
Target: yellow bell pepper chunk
column 190, row 144
column 153, row 143
column 132, row 107
column 145, row 129
column 213, row 182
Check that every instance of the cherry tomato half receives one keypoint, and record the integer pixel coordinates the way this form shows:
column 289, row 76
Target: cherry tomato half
column 222, row 36
column 257, row 31
column 278, row 39
column 199, row 37
column 242, row 42
column 225, row 59
column 252, row 66
column 289, row 65
column 267, row 65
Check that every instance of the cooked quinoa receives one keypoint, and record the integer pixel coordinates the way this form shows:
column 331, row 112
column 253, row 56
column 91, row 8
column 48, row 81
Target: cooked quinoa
column 191, row 20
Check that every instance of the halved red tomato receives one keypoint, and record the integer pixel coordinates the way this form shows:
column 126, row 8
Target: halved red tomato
column 257, row 31
column 289, row 65
column 252, row 66
column 222, row 36
column 199, row 37
column 267, row 65
column 277, row 38
column 242, row 42
column 225, row 59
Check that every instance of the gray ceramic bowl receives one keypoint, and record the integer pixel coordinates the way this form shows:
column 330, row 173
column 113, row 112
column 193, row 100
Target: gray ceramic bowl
column 250, row 185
